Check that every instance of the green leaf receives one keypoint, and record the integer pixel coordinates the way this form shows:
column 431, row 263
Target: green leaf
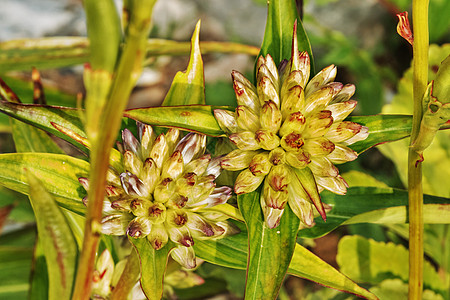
column 369, row 261
column 198, row 118
column 307, row 265
column 30, row 139
column 153, row 266
column 373, row 205
column 60, row 175
column 15, row 265
column 39, row 277
column 42, row 116
column 188, row 87
column 279, row 28
column 270, row 250
column 396, row 289
column 55, row 234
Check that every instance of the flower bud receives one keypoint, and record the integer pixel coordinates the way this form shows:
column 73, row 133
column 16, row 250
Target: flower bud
column 260, row 164
column 164, row 190
column 321, row 166
column 130, row 143
column 173, row 167
column 139, row 207
column 226, row 120
column 275, row 199
column 192, row 146
column 343, row 131
column 180, row 235
column 150, row 174
column 319, row 99
column 185, row 256
column 267, row 91
column 270, row 117
column 267, row 139
column 318, row 124
column 172, row 137
column 246, row 119
column 147, row 136
column 115, row 224
column 237, row 160
column 342, row 154
column 139, row 227
column 344, row 94
column 246, row 182
column 277, row 156
column 132, row 163
column 272, row 216
column 299, row 159
column 245, row 140
column 133, row 185
column 199, row 165
column 293, row 101
column 245, row 91
column 160, row 151
column 300, row 204
column 325, row 76
column 156, row 213
column 341, row 110
column 158, row 236
column 318, row 146
column 295, row 122
column 279, row 177
column 292, row 142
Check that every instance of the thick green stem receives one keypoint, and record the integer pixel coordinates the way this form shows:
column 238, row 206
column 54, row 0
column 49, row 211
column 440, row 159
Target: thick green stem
column 420, row 77
column 103, row 124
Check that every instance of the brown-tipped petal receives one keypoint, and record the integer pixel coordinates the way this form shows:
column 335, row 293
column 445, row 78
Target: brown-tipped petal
column 260, row 164
column 270, row 117
column 172, row 138
column 218, row 196
column 299, row 159
column 342, row 131
column 185, row 185
column 267, row 91
column 318, row 146
column 147, row 137
column 176, row 218
column 325, row 76
column 245, row 91
column 157, row 213
column 192, row 146
column 139, row 227
column 360, row 136
column 246, row 182
column 340, row 111
column 150, row 174
column 230, row 228
column 293, row 80
column 180, row 235
column 279, row 177
column 173, row 167
column 204, row 187
column 306, row 179
column 103, row 273
column 164, row 190
column 246, row 119
column 226, row 120
column 319, row 98
column 295, row 122
column 336, row 184
column 139, row 207
column 345, row 94
column 318, row 124
column 200, row 228
column 304, row 66
column 84, row 182
column 342, row 154
column 185, row 256
column 264, row 71
column 116, row 224
column 245, row 140
column 273, row 198
column 199, row 165
column 132, row 185
column 300, row 204
column 131, row 162
column 267, row 140
column 321, row 166
column 113, row 191
column 277, row 156
column 160, row 151
column 237, row 160
column 292, row 142
column 270, row 64
column 214, row 167
column 158, row 236
column 130, row 142
column 121, row 205
column 272, row 216
column 177, row 201
column 293, row 101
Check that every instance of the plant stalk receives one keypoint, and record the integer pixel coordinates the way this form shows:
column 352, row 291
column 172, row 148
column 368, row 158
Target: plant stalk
column 128, row 278
column 420, row 81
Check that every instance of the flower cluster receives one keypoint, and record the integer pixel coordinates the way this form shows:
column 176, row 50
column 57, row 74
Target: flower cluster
column 165, row 191
column 289, row 133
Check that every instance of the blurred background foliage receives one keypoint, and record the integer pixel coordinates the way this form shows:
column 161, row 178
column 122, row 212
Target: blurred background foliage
column 358, row 36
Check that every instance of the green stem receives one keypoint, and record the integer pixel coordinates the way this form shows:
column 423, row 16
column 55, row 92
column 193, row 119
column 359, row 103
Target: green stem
column 104, row 133
column 420, row 80
column 128, row 278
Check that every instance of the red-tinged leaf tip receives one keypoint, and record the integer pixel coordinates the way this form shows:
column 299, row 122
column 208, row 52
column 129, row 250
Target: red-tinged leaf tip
column 38, row 89
column 403, row 27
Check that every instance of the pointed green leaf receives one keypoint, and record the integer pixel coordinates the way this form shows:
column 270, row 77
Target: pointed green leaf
column 15, row 265
column 60, row 175
column 30, row 139
column 188, row 87
column 153, row 266
column 307, row 265
column 277, row 42
column 61, row 248
column 39, row 276
column 374, row 205
column 199, row 118
column 370, row 261
column 270, row 250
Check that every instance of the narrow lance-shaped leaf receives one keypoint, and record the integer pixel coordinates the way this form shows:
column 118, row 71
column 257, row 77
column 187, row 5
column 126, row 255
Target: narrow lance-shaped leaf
column 270, row 250
column 278, row 34
column 188, row 87
column 61, row 248
column 153, row 266
column 61, row 173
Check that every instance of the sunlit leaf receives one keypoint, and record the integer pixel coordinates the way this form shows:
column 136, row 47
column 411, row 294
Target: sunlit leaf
column 270, row 250
column 153, row 266
column 59, row 173
column 39, row 277
column 188, row 87
column 397, row 289
column 375, row 205
column 366, row 260
column 55, row 233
